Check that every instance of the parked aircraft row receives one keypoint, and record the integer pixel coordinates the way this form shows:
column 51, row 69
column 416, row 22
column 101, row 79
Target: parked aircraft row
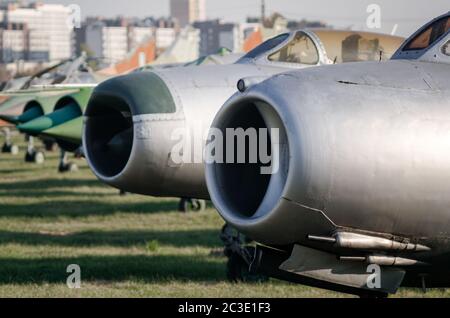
column 359, row 176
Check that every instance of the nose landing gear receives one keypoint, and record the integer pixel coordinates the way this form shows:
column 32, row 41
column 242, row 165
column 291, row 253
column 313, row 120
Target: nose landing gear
column 240, row 253
column 8, row 146
column 65, row 165
column 33, row 155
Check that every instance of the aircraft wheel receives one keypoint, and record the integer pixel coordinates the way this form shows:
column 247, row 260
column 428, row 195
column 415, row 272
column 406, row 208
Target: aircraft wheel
column 14, row 150
column 238, row 269
column 39, row 157
column 67, row 167
column 34, row 156
column 191, row 205
column 10, row 148
column 29, row 156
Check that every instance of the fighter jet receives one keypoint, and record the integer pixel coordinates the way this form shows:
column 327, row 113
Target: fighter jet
column 60, row 117
column 358, row 195
column 68, row 107
column 12, row 104
column 133, row 122
column 43, row 93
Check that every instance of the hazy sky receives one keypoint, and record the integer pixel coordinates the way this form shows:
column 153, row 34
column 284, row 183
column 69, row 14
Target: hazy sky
column 408, row 14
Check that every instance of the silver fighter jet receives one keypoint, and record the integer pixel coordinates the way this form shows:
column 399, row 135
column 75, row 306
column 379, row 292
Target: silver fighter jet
column 360, row 201
column 133, row 123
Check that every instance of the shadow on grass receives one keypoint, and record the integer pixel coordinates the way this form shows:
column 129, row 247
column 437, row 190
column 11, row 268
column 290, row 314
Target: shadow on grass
column 84, row 208
column 145, row 268
column 14, row 171
column 206, row 238
column 49, row 183
column 54, row 194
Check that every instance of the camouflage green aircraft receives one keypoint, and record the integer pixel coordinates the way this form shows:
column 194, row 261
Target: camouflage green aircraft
column 30, row 102
column 54, row 111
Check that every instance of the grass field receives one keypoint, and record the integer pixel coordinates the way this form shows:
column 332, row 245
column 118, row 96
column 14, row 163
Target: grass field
column 126, row 246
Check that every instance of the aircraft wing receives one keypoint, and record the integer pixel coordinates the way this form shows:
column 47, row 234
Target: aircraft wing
column 50, row 89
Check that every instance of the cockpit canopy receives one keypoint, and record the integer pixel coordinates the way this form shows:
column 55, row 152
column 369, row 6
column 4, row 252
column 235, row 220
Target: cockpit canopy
column 429, row 36
column 322, row 46
column 431, row 43
column 352, row 46
column 301, row 50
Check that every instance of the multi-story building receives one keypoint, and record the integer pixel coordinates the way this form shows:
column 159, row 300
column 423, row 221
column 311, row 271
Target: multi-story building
column 188, row 11
column 13, row 43
column 112, row 40
column 138, row 35
column 44, row 22
column 17, row 42
column 215, row 35
column 164, row 37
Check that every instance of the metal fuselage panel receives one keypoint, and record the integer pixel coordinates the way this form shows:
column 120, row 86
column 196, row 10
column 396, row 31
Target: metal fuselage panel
column 198, row 93
column 370, row 151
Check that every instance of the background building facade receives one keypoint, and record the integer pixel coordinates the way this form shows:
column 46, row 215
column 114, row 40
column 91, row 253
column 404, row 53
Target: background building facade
column 45, row 26
column 188, row 11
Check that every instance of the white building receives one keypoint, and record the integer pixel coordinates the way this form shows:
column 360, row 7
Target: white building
column 114, row 42
column 47, row 22
column 13, row 45
column 139, row 35
column 185, row 48
column 165, row 37
column 107, row 42
column 19, row 43
column 39, row 47
column 188, row 11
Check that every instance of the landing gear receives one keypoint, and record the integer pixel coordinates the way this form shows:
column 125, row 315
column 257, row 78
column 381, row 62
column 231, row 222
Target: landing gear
column 8, row 146
column 33, row 155
column 191, row 205
column 79, row 153
column 49, row 145
column 64, row 165
column 240, row 255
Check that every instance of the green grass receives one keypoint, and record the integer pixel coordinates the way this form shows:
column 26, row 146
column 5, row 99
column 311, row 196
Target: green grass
column 126, row 246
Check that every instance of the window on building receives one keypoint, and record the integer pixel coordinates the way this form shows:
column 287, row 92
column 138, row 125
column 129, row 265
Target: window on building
column 429, row 36
column 300, row 50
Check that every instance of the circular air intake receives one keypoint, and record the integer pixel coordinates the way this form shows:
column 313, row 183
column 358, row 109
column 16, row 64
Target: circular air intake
column 245, row 191
column 68, row 102
column 108, row 135
column 31, row 111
